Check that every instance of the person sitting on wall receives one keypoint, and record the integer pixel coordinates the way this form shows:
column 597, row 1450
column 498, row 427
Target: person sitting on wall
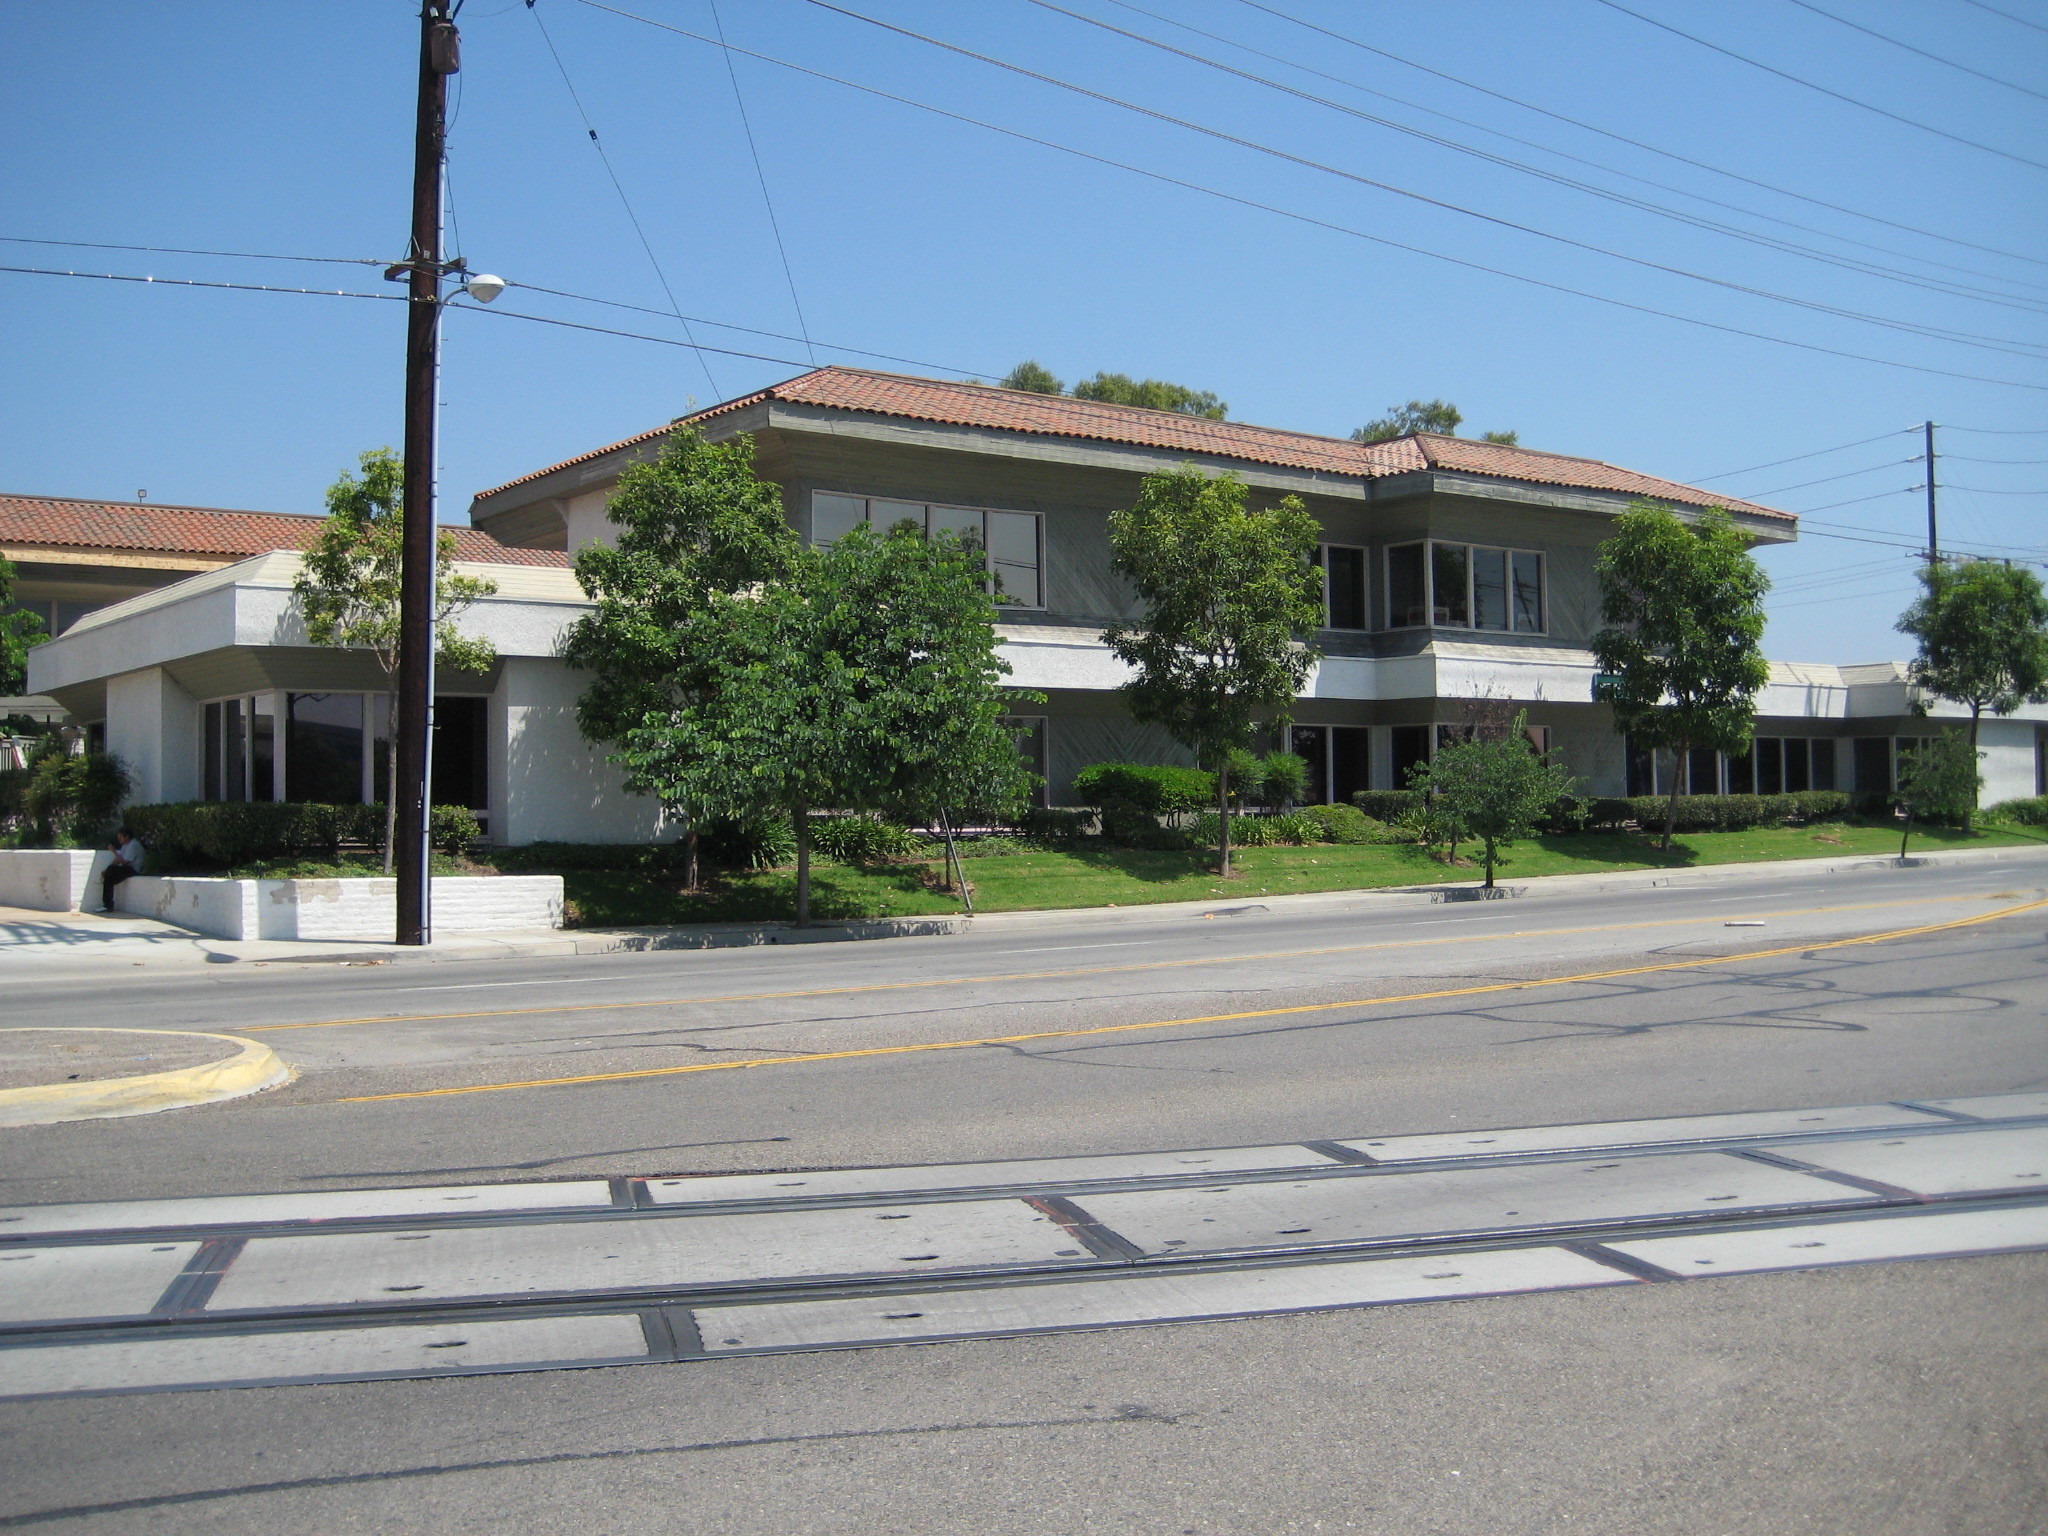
column 128, row 854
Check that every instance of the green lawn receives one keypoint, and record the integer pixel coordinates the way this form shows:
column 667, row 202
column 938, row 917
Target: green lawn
column 1088, row 876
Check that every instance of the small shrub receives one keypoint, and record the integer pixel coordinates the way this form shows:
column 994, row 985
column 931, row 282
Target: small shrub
column 863, row 839
column 1344, row 823
column 1610, row 811
column 1154, row 788
column 71, row 799
column 1053, row 824
column 1386, row 804
column 2031, row 812
column 222, row 834
column 452, row 828
column 1820, row 804
column 765, row 844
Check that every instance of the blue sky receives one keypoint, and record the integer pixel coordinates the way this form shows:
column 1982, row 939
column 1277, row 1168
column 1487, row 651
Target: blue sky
column 287, row 129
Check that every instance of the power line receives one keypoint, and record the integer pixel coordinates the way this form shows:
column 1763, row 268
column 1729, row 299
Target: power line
column 1858, row 26
column 2008, row 15
column 618, row 187
column 1829, row 479
column 1864, row 442
column 1971, row 458
column 1985, row 490
column 1624, row 199
column 761, row 176
column 1309, row 219
column 1829, row 506
column 1619, row 138
column 1909, row 327
column 180, row 250
column 1989, row 149
column 2000, row 431
column 1614, row 170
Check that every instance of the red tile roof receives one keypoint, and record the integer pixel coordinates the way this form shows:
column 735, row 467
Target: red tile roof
column 72, row 522
column 983, row 405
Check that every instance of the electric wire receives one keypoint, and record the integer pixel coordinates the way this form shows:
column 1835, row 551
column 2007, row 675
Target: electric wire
column 1999, row 344
column 1309, row 219
column 1614, row 170
column 181, row 250
column 1807, row 5
column 1971, row 458
column 1862, row 442
column 1985, row 490
column 2007, row 15
column 761, row 176
column 2001, row 431
column 620, row 188
column 1619, row 138
column 1989, row 149
column 1623, row 199
column 1829, row 479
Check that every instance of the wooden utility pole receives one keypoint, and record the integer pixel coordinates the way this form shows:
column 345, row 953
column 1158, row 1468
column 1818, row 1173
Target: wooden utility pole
column 440, row 57
column 1933, row 527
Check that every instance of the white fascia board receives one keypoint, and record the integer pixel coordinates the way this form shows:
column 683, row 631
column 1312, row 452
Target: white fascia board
column 1043, row 656
column 201, row 621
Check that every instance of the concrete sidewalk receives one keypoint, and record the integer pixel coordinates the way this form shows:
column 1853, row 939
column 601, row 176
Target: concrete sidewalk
column 55, row 942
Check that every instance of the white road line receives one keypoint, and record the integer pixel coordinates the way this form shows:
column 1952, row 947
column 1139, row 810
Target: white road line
column 1046, row 949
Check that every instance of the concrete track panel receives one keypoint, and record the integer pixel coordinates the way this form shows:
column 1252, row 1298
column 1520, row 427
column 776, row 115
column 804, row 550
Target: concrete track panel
column 1033, row 1173
column 45, row 1285
column 323, row 1205
column 1965, row 1163
column 1933, row 1234
column 1144, row 1299
column 1639, row 1133
column 405, row 1268
column 1231, row 1218
column 220, row 1360
column 1993, row 1106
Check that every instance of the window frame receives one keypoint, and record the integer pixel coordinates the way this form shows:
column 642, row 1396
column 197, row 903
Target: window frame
column 983, row 512
column 1430, row 606
column 1364, row 553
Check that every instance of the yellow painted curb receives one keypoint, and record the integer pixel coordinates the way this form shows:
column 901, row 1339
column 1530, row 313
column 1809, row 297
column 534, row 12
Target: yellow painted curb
column 253, row 1067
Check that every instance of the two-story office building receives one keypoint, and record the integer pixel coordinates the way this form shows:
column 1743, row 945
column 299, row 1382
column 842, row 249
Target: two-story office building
column 1456, row 571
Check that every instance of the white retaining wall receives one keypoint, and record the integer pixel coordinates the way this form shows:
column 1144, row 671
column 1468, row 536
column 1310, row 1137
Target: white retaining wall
column 340, row 909
column 51, row 879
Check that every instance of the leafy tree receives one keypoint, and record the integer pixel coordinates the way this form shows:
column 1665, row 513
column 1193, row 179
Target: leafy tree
column 1035, row 377
column 862, row 676
column 1435, row 416
column 1682, row 606
column 20, row 630
column 1229, row 599
column 348, row 587
column 1983, row 633
column 694, row 524
column 1493, row 787
column 1153, row 394
column 1439, row 416
column 1938, row 779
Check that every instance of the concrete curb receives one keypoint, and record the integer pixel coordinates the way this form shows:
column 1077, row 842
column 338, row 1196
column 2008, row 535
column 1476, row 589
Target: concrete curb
column 251, row 1069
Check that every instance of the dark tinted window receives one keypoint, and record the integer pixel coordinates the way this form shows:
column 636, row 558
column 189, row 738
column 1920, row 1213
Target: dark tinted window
column 1449, row 572
column 1407, row 604
column 1344, row 571
column 1489, row 589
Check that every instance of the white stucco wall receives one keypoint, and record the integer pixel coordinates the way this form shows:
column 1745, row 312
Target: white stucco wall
column 585, row 520
column 2007, row 749
column 153, row 726
column 558, row 787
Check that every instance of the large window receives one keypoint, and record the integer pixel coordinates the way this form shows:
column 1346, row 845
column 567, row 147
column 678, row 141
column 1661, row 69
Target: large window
column 1465, row 586
column 1343, row 585
column 333, row 748
column 1339, row 760
column 1774, row 765
column 1013, row 542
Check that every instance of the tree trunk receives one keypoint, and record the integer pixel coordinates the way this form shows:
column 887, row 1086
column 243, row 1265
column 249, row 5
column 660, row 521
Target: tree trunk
column 391, row 784
column 1907, row 833
column 1223, row 819
column 959, row 870
column 803, row 866
column 690, row 860
column 1489, row 862
column 1970, row 812
column 1680, row 756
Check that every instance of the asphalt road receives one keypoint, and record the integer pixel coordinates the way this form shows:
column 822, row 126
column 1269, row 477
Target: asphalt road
column 1902, row 1397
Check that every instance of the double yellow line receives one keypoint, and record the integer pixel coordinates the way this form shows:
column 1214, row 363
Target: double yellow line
column 1214, row 1018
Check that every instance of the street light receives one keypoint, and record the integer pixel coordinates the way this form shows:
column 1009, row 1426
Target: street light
column 484, row 287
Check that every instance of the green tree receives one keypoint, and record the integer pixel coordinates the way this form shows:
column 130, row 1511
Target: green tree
column 348, row 587
column 1682, row 608
column 695, row 523
column 1503, row 439
column 1493, row 787
column 1438, row 416
column 1983, row 633
column 863, row 676
column 1152, row 394
column 1230, row 597
column 1938, row 779
column 1034, row 377
column 20, row 631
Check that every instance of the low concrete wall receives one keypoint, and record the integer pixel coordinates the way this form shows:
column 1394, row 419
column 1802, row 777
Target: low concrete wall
column 339, row 909
column 51, row 879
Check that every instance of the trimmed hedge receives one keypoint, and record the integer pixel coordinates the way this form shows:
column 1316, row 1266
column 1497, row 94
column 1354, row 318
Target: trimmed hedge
column 1720, row 813
column 224, row 834
column 1386, row 804
column 2032, row 812
column 1157, row 789
column 1344, row 823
